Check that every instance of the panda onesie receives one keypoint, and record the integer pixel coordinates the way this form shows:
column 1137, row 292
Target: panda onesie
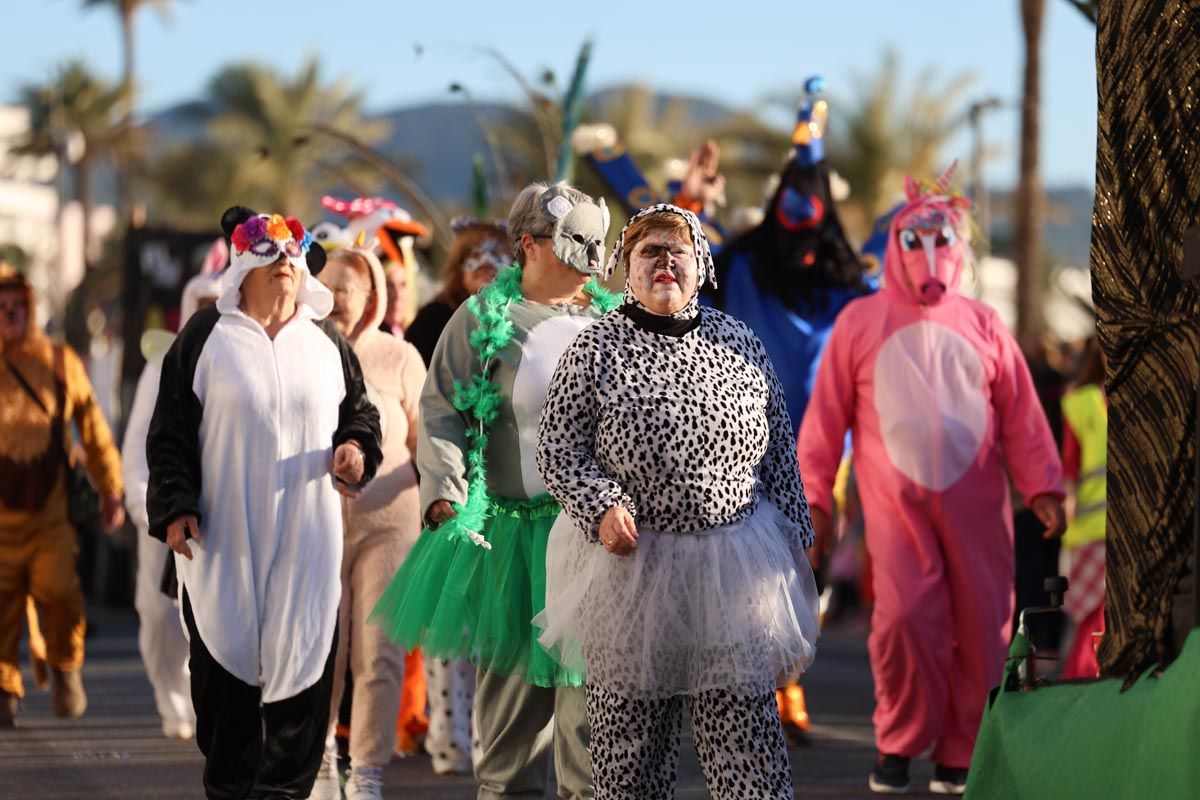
column 242, row 438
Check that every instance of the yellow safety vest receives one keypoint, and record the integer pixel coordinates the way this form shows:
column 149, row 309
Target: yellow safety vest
column 1087, row 414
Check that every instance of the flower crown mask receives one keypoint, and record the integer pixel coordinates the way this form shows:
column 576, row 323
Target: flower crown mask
column 262, row 239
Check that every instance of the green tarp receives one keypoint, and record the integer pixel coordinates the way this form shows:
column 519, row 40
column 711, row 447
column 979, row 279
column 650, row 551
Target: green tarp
column 1090, row 740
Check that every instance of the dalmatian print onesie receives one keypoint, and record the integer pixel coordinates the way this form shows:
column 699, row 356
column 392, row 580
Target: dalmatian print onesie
column 682, row 420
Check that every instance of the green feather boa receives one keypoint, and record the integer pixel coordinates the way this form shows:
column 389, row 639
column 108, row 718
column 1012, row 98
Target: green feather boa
column 480, row 398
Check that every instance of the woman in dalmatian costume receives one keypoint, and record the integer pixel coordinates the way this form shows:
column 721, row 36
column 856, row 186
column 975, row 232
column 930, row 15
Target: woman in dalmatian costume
column 940, row 403
column 476, row 577
column 679, row 572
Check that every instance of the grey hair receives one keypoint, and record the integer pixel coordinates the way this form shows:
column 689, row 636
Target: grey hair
column 526, row 215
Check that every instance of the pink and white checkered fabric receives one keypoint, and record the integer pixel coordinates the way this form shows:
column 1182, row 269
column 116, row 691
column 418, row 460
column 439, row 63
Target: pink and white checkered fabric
column 1086, row 577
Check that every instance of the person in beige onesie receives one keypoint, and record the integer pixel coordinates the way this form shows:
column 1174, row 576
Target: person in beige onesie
column 382, row 524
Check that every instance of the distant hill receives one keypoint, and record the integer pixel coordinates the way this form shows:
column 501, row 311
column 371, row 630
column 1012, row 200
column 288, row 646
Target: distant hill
column 437, row 142
column 1068, row 223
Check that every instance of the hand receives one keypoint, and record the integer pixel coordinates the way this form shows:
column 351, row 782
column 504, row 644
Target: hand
column 178, row 532
column 1049, row 511
column 348, row 463
column 703, row 182
column 439, row 511
column 822, row 536
column 618, row 534
column 112, row 511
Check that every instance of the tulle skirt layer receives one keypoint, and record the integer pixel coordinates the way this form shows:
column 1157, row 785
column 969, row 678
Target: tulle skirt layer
column 732, row 608
column 455, row 599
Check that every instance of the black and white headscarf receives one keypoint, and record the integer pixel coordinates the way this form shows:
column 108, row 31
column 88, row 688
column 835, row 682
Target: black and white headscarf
column 704, row 261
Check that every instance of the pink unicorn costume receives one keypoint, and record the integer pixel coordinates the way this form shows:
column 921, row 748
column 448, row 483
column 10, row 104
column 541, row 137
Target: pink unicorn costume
column 940, row 401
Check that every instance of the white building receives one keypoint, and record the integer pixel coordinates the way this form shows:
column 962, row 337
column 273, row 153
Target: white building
column 33, row 216
column 1066, row 303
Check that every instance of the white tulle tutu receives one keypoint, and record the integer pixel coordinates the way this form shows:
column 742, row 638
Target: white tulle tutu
column 731, row 608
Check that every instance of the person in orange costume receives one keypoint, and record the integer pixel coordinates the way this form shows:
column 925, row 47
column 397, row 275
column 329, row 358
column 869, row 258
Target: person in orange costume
column 43, row 389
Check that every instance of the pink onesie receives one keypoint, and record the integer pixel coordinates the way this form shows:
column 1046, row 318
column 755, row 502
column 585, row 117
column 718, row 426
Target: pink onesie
column 939, row 401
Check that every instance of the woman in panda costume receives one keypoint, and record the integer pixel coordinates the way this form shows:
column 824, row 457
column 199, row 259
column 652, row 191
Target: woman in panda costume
column 262, row 418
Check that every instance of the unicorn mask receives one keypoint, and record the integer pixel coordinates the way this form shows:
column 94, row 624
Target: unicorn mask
column 929, row 243
column 579, row 230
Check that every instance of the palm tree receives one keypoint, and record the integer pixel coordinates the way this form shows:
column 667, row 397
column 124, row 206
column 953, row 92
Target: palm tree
column 127, row 11
column 882, row 133
column 1030, row 199
column 1089, row 8
column 537, row 136
column 77, row 110
column 264, row 146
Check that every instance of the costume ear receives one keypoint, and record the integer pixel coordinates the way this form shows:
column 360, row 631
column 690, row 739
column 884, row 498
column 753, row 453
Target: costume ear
column 315, row 258
column 912, row 189
column 555, row 204
column 235, row 216
column 604, row 215
column 216, row 258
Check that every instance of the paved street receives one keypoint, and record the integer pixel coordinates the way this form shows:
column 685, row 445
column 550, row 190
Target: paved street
column 117, row 751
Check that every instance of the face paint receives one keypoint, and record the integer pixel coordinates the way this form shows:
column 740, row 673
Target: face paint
column 579, row 230
column 663, row 273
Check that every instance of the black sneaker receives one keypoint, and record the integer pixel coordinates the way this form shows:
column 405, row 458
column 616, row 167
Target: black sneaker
column 890, row 775
column 948, row 780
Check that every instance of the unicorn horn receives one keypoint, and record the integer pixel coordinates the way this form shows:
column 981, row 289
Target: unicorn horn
column 943, row 182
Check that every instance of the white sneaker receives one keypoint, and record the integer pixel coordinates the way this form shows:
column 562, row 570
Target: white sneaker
column 365, row 783
column 177, row 729
column 450, row 766
column 327, row 786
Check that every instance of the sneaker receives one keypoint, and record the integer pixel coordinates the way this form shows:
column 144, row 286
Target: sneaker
column 365, row 783
column 178, row 729
column 948, row 780
column 890, row 775
column 444, row 767
column 69, row 698
column 327, row 787
column 8, row 709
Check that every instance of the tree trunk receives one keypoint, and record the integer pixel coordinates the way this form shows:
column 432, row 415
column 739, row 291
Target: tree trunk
column 1147, row 194
column 120, row 159
column 83, row 193
column 1030, row 201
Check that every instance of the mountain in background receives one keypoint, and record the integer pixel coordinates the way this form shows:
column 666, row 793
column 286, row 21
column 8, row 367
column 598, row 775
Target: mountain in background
column 1068, row 224
column 436, row 143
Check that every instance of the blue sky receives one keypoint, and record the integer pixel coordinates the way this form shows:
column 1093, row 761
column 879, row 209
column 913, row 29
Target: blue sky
column 737, row 55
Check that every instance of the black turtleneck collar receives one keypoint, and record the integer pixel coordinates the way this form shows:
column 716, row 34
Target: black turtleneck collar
column 656, row 323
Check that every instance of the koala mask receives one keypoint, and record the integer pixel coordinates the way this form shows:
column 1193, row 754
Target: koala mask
column 579, row 230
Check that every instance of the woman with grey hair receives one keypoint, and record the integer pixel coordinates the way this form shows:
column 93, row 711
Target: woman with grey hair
column 476, row 576
column 666, row 438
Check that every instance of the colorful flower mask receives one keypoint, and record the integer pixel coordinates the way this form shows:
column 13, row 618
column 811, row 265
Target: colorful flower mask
column 262, row 239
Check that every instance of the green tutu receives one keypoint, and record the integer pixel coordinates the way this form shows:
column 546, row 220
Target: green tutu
column 455, row 599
